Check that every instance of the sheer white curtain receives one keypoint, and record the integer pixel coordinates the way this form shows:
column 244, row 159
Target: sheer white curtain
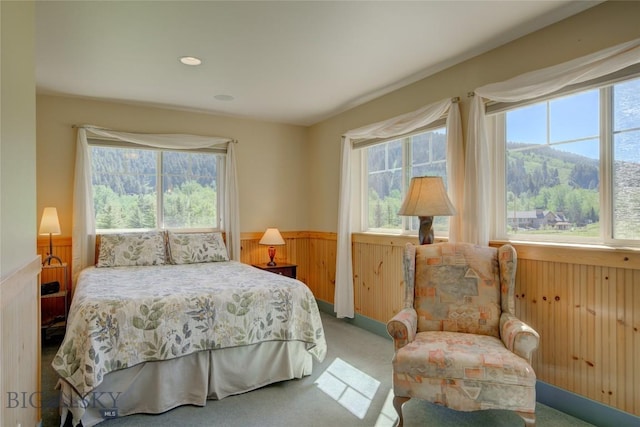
column 83, row 216
column 397, row 126
column 478, row 176
column 455, row 170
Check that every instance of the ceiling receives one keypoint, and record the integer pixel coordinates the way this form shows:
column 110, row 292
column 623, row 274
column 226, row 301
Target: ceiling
column 295, row 62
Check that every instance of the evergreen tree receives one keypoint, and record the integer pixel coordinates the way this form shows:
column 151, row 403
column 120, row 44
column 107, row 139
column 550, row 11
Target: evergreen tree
column 378, row 215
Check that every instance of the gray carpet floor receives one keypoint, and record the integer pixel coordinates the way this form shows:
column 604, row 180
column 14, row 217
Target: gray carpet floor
column 350, row 388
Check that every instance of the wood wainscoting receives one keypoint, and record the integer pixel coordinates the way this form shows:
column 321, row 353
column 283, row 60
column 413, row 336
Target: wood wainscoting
column 313, row 252
column 584, row 302
column 20, row 346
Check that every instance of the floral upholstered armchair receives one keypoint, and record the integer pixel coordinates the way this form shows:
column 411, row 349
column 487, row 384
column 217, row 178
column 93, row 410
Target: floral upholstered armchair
column 457, row 340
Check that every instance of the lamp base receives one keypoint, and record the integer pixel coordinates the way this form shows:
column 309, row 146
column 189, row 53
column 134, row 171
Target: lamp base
column 50, row 256
column 48, row 259
column 272, row 254
column 425, row 232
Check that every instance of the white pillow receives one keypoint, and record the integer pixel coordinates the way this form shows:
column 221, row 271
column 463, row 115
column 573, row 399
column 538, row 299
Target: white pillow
column 190, row 248
column 127, row 249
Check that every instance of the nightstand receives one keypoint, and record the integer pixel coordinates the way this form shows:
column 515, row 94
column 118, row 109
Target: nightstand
column 58, row 321
column 283, row 269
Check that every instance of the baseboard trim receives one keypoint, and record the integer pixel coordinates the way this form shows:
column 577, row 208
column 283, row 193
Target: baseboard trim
column 578, row 406
column 360, row 321
column 581, row 407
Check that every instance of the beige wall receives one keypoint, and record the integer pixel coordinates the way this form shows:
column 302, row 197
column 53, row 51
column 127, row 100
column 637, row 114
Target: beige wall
column 271, row 157
column 19, row 263
column 17, row 138
column 299, row 188
column 605, row 25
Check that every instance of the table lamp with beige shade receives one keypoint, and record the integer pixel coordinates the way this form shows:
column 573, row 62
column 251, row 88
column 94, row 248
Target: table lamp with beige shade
column 272, row 238
column 425, row 199
column 50, row 225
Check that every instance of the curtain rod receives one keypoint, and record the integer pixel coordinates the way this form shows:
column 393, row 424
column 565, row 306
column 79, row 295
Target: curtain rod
column 74, row 126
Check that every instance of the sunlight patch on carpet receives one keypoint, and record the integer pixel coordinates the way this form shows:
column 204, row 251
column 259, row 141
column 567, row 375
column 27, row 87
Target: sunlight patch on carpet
column 349, row 386
column 388, row 416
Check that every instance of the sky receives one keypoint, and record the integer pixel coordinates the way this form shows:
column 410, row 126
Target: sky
column 576, row 118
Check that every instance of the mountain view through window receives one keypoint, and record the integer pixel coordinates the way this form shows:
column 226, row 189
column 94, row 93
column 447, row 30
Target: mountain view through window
column 554, row 166
column 127, row 184
column 390, row 167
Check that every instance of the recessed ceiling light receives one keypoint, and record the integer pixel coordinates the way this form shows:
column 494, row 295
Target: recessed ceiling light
column 224, row 97
column 190, row 60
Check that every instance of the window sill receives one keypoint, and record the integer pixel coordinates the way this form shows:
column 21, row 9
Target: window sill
column 572, row 245
column 581, row 254
column 573, row 253
column 388, row 239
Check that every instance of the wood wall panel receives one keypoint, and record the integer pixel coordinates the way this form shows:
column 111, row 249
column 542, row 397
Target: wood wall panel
column 588, row 322
column 313, row 253
column 322, row 268
column 378, row 280
column 294, row 251
column 20, row 347
column 584, row 302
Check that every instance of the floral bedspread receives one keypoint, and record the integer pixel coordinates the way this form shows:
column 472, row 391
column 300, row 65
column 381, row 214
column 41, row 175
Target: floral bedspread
column 122, row 316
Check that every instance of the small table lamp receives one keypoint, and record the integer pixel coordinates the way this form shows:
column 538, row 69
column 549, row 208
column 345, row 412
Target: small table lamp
column 50, row 225
column 272, row 238
column 426, row 198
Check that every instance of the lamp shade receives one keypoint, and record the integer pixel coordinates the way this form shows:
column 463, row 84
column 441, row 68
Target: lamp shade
column 49, row 223
column 427, row 197
column 271, row 237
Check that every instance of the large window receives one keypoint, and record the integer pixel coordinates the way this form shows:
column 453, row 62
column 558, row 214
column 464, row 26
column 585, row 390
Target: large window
column 389, row 167
column 571, row 167
column 152, row 189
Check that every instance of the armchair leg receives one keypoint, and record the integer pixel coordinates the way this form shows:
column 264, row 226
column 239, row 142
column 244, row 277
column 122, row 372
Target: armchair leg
column 529, row 418
column 398, row 401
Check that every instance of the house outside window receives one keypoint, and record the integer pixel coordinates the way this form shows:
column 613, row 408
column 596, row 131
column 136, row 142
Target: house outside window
column 568, row 167
column 142, row 189
column 388, row 168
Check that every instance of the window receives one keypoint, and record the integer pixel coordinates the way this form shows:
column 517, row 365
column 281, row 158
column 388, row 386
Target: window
column 389, row 167
column 570, row 167
column 149, row 189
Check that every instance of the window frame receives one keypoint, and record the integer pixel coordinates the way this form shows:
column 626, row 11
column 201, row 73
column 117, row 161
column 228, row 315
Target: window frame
column 220, row 154
column 405, row 221
column 496, row 126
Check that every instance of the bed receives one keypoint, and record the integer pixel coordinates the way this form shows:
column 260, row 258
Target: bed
column 148, row 338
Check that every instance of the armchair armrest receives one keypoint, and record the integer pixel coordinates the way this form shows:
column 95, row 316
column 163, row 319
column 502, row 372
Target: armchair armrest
column 402, row 327
column 517, row 336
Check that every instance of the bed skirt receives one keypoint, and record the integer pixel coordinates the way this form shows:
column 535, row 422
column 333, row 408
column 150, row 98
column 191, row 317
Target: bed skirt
column 156, row 387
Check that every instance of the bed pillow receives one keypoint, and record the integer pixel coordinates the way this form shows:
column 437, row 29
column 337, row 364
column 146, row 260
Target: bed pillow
column 127, row 249
column 191, row 248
